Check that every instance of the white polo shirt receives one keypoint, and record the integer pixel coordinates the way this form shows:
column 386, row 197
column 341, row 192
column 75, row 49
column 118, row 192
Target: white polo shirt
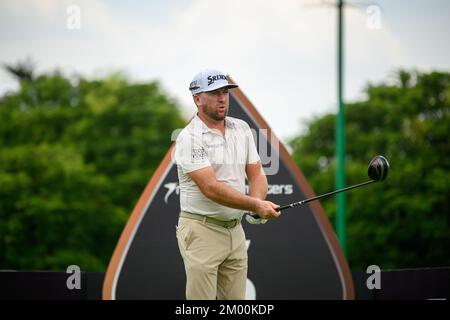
column 198, row 147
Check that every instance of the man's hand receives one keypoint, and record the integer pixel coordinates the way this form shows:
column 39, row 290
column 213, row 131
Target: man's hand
column 266, row 209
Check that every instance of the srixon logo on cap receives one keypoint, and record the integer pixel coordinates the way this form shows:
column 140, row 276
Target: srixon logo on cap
column 211, row 79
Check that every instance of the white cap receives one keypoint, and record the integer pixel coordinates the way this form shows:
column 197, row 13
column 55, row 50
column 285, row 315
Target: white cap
column 209, row 80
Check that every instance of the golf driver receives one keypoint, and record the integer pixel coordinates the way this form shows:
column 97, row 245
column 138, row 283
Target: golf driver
column 378, row 171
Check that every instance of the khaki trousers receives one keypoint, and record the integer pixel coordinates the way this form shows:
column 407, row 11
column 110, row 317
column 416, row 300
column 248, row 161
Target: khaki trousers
column 215, row 260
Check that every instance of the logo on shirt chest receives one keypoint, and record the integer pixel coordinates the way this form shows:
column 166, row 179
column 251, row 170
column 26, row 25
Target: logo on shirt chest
column 215, row 145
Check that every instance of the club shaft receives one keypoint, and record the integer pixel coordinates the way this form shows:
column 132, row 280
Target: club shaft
column 325, row 195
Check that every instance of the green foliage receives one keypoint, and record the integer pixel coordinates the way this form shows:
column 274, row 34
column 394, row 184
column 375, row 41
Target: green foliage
column 404, row 221
column 75, row 155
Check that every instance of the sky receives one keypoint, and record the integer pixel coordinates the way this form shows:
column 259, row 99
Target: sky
column 281, row 53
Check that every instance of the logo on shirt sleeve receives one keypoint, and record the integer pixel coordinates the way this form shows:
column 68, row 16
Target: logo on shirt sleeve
column 198, row 154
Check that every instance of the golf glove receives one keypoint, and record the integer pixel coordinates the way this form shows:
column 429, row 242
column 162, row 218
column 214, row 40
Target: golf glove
column 253, row 218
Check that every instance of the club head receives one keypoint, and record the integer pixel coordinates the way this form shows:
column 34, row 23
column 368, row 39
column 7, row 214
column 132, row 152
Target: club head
column 378, row 168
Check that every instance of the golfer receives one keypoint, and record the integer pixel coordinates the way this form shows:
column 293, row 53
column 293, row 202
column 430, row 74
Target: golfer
column 214, row 155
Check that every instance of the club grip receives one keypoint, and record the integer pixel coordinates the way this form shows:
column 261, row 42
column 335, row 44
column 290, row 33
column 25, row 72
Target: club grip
column 283, row 207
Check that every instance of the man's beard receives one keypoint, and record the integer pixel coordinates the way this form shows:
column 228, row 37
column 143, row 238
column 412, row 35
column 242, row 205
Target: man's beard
column 213, row 114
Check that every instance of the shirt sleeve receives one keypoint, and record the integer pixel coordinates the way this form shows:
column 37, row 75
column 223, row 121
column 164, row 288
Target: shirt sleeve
column 190, row 154
column 252, row 153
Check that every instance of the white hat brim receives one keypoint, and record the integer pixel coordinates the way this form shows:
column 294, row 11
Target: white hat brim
column 219, row 86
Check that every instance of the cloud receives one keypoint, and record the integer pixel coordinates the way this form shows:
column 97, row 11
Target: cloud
column 283, row 54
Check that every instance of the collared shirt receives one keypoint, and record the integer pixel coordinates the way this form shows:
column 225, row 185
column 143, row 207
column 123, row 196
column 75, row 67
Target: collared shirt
column 198, row 147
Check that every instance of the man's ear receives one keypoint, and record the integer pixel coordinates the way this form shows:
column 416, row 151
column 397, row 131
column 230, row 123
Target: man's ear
column 196, row 98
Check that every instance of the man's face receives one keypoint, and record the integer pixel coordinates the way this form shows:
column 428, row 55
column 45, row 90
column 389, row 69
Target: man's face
column 213, row 104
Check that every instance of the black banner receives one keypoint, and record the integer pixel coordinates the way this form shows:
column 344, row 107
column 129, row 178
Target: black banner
column 294, row 257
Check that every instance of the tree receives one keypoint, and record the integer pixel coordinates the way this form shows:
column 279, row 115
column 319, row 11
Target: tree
column 404, row 221
column 22, row 70
column 74, row 155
